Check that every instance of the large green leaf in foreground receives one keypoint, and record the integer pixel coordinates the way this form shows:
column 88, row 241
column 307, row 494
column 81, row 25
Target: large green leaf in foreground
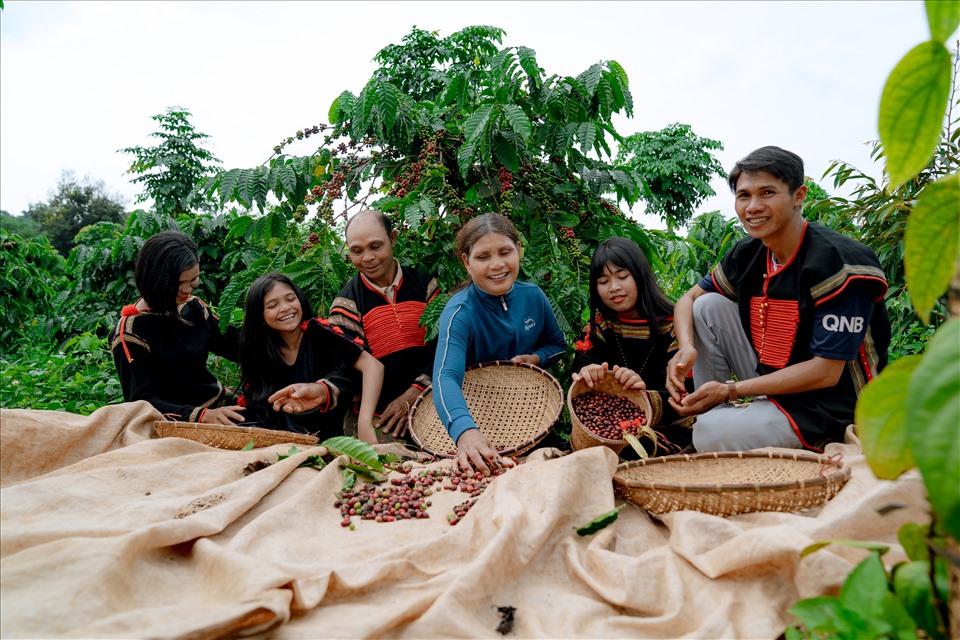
column 912, row 107
column 880, row 419
column 931, row 244
column 933, row 422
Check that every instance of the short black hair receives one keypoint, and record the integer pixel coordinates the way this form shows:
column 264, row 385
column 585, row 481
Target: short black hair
column 780, row 163
column 379, row 215
column 161, row 260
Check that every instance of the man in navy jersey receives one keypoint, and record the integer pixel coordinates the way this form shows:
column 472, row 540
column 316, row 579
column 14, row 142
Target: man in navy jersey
column 792, row 318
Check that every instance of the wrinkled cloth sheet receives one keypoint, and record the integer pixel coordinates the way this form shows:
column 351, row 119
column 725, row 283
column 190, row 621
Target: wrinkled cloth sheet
column 109, row 531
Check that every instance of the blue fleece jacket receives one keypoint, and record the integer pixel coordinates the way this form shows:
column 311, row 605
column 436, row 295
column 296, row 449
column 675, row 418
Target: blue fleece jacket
column 478, row 327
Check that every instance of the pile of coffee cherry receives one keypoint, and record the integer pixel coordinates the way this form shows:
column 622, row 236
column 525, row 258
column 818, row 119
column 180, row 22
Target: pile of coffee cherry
column 608, row 416
column 408, row 497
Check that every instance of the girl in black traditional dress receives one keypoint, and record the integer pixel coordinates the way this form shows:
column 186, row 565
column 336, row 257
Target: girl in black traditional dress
column 296, row 367
column 630, row 334
column 160, row 344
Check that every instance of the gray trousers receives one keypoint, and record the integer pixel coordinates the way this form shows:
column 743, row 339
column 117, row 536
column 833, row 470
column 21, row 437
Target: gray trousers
column 723, row 352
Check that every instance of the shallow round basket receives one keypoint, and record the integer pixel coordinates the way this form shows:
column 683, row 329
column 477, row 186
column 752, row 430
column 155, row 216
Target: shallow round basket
column 515, row 405
column 230, row 437
column 580, row 436
column 728, row 483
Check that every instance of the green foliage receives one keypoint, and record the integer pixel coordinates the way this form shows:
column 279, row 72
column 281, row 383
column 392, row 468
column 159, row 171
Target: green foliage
column 684, row 261
column 911, row 109
column 32, row 274
column 910, row 413
column 171, row 171
column 600, row 522
column 933, row 233
column 446, row 128
column 71, row 207
column 77, row 376
column 19, row 225
column 676, row 166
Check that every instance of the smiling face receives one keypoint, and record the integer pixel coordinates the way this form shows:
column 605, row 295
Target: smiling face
column 618, row 290
column 188, row 281
column 493, row 263
column 371, row 249
column 769, row 211
column 281, row 309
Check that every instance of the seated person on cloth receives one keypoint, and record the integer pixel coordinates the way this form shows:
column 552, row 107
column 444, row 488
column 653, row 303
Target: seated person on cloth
column 295, row 365
column 792, row 316
column 495, row 317
column 382, row 305
column 160, row 344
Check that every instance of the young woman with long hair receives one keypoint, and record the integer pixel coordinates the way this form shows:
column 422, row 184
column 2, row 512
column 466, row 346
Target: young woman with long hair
column 161, row 343
column 630, row 334
column 295, row 366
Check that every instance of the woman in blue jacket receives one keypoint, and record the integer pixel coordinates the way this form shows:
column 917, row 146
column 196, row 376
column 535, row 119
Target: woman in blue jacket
column 493, row 318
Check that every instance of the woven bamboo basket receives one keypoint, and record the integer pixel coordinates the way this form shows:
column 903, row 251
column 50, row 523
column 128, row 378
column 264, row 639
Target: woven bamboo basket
column 728, row 483
column 580, row 436
column 515, row 405
column 230, row 437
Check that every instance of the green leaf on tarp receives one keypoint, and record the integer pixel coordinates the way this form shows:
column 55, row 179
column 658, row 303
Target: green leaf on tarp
column 600, row 522
column 356, row 449
column 912, row 106
column 943, row 16
column 933, row 422
column 366, row 472
column 911, row 583
column 349, row 479
column 880, row 418
column 931, row 243
column 878, row 547
column 248, row 446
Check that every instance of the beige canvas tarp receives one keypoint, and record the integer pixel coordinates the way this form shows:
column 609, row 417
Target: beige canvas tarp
column 108, row 531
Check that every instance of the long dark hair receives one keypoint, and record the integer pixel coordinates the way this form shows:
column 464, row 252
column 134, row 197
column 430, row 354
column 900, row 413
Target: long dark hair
column 161, row 260
column 652, row 303
column 260, row 345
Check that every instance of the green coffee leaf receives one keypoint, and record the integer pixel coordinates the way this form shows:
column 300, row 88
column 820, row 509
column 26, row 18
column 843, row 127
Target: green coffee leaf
column 364, row 471
column 880, row 414
column 912, row 106
column 354, row 448
column 933, row 422
column 877, row 547
column 911, row 582
column 943, row 16
column 931, row 243
column 866, row 587
column 600, row 522
column 248, row 446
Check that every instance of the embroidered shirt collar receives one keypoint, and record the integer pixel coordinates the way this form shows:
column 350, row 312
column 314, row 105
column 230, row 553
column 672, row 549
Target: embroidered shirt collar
column 388, row 290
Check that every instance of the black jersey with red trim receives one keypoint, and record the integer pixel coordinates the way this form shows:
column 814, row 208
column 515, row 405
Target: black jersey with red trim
column 826, row 301
column 163, row 360
column 391, row 329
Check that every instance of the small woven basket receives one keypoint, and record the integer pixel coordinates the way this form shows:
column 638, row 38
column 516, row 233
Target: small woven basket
column 230, row 437
column 515, row 405
column 728, row 483
column 580, row 436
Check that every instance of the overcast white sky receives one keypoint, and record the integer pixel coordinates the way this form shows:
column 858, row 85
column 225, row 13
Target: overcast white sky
column 79, row 80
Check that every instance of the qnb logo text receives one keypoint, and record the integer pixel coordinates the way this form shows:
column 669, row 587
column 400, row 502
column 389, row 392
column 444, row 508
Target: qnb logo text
column 832, row 322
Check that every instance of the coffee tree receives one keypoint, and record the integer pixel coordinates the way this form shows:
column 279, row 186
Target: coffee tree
column 447, row 128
